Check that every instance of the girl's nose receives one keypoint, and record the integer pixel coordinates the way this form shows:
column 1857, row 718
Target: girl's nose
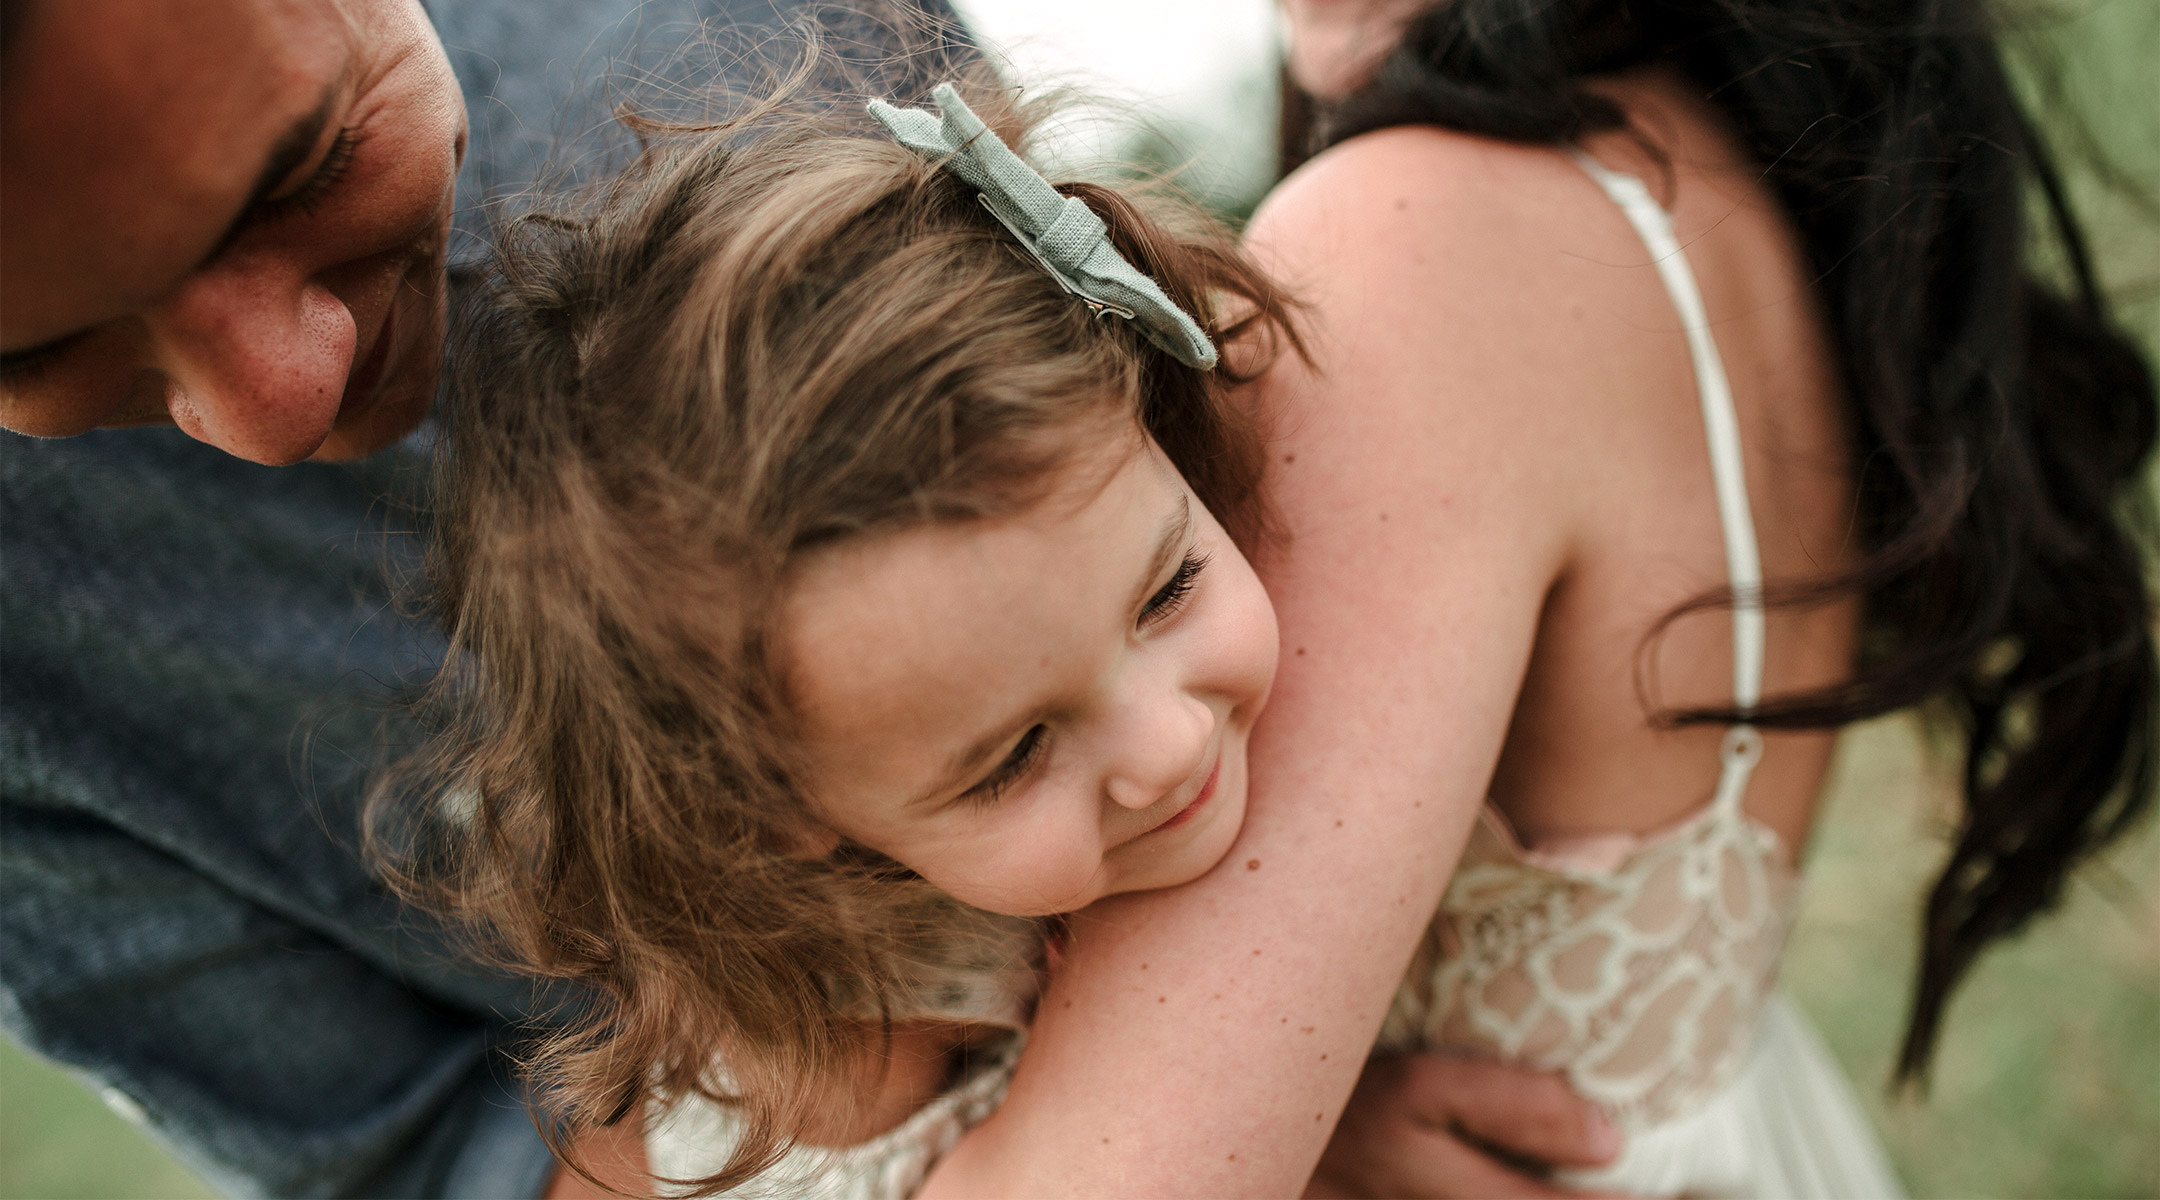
column 1160, row 744
column 256, row 356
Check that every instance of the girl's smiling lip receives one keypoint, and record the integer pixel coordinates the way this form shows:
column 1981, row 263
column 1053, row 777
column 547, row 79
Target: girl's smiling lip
column 1206, row 793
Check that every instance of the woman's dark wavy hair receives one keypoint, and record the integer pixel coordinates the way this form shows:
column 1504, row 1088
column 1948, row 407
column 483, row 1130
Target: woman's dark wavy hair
column 2001, row 425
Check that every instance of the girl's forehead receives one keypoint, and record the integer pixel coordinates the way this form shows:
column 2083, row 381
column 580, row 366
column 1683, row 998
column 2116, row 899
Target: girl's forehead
column 962, row 580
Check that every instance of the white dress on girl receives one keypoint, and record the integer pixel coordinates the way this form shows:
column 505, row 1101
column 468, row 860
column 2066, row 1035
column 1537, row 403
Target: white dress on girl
column 693, row 1138
column 1641, row 968
column 993, row 985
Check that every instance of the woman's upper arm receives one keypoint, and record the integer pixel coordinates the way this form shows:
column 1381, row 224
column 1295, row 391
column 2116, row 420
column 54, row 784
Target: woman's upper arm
column 1202, row 1039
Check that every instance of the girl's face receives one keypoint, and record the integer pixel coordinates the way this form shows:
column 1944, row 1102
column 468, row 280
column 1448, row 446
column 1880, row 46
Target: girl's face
column 1036, row 711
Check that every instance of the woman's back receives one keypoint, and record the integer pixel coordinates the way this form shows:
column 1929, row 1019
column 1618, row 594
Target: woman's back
column 1546, row 344
column 1619, row 918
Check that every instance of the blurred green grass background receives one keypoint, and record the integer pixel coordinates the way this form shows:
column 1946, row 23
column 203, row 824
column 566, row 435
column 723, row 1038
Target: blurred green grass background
column 2048, row 1079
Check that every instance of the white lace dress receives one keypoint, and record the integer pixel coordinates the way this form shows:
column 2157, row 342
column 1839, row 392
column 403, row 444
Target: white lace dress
column 1640, row 967
column 1642, row 970
column 992, row 982
column 693, row 1138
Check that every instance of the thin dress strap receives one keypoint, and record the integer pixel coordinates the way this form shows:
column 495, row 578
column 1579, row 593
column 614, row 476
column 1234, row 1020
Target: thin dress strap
column 1743, row 562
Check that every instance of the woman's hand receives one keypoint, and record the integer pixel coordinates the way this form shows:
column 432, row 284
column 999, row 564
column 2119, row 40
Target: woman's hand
column 1430, row 1127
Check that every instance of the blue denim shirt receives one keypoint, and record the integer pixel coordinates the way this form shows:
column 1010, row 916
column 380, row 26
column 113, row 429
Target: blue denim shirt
column 200, row 664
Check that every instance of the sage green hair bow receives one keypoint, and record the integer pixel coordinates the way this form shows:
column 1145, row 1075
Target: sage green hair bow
column 1061, row 231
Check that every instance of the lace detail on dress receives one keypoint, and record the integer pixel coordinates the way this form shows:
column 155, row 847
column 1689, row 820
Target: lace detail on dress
column 989, row 975
column 693, row 1138
column 1644, row 985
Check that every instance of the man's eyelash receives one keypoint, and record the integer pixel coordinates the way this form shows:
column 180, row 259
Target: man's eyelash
column 1017, row 764
column 1171, row 597
column 20, row 367
column 327, row 175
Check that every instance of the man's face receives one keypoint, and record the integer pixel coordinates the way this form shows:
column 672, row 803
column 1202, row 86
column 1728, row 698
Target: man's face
column 227, row 215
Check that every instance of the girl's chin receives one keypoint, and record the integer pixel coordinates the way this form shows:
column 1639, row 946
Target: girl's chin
column 1206, row 836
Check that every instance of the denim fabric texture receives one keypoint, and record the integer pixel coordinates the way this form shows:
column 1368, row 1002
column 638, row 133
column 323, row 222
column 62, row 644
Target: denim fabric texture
column 200, row 664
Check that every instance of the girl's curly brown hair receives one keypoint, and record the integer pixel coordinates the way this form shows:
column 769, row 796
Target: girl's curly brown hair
column 765, row 334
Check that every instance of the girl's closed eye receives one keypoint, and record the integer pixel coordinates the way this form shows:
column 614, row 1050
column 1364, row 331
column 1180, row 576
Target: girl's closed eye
column 1171, row 598
column 1025, row 754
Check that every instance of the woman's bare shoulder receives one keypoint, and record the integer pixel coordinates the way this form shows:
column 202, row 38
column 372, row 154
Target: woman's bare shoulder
column 1464, row 310
column 1421, row 191
column 1443, row 166
column 1488, row 265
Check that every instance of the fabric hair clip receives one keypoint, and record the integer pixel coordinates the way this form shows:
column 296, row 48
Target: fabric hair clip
column 1060, row 231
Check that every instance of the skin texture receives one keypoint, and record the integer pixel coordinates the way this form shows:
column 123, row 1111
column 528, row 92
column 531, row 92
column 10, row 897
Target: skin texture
column 1031, row 712
column 1455, row 626
column 166, row 263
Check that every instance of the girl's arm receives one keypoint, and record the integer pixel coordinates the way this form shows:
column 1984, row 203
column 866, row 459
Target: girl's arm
column 1203, row 1040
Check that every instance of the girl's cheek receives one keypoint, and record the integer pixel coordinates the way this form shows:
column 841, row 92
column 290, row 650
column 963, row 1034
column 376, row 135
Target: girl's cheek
column 1037, row 872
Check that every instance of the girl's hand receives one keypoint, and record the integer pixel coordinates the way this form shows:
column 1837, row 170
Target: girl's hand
column 1431, row 1126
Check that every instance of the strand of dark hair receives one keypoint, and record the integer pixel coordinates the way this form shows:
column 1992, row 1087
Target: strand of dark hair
column 2001, row 425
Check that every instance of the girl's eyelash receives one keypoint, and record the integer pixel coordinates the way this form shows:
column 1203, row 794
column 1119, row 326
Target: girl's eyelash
column 1171, row 597
column 327, row 176
column 1017, row 764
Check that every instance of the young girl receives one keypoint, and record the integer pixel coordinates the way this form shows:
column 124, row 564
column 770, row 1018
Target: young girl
column 840, row 559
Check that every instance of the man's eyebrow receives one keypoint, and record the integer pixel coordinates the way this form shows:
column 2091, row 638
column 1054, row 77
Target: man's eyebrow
column 291, row 149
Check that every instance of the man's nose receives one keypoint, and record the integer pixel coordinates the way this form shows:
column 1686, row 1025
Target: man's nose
column 1161, row 741
column 256, row 357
